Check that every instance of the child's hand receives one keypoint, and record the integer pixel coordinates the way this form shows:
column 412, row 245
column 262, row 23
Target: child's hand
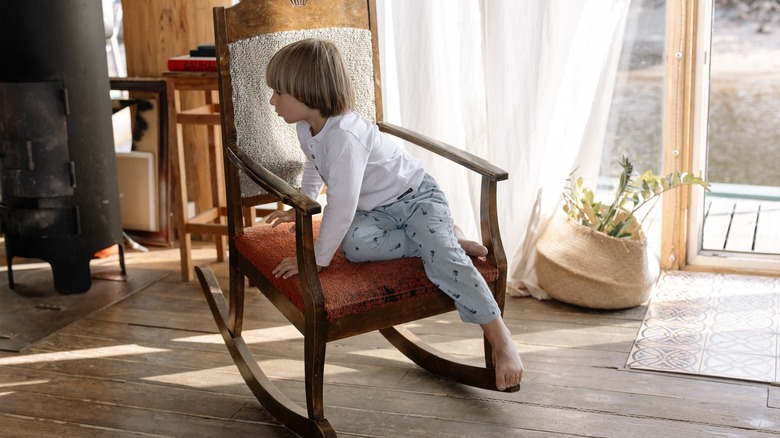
column 288, row 267
column 280, row 217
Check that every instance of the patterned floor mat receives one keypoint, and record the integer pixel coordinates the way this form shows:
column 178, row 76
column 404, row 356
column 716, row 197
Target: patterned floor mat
column 711, row 325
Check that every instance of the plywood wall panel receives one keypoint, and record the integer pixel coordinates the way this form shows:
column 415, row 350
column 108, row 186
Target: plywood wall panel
column 155, row 30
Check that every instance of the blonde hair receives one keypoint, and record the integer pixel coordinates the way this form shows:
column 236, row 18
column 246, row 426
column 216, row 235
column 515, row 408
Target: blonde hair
column 314, row 72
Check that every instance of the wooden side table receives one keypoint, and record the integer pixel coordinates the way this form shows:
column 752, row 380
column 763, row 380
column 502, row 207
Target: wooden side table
column 210, row 220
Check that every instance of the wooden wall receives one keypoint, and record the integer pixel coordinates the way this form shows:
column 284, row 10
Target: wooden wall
column 156, row 30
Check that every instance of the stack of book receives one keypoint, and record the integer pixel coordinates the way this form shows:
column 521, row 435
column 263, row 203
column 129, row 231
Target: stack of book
column 204, row 58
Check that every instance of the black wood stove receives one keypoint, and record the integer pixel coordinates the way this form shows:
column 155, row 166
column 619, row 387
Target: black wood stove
column 59, row 197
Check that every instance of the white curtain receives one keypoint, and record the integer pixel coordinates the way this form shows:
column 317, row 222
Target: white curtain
column 525, row 84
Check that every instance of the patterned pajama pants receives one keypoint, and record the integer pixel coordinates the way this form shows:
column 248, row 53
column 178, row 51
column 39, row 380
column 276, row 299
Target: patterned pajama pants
column 420, row 225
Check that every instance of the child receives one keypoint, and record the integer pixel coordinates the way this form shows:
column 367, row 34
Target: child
column 381, row 204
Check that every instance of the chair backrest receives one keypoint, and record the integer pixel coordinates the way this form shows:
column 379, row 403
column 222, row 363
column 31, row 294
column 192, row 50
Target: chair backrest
column 248, row 34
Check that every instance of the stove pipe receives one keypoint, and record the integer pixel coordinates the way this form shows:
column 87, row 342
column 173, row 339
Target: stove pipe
column 60, row 197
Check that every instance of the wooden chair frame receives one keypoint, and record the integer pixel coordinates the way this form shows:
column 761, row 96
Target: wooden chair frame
column 241, row 21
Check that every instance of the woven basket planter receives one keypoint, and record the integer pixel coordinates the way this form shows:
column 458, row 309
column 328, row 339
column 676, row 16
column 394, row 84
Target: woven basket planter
column 579, row 266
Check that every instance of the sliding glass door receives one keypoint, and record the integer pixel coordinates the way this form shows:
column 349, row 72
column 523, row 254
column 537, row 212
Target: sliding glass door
column 736, row 136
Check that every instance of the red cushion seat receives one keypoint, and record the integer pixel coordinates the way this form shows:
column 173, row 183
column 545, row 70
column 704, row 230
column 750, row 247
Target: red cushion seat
column 348, row 287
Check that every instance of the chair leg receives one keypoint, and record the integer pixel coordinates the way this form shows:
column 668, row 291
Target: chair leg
column 185, row 252
column 439, row 363
column 490, row 361
column 287, row 412
column 314, row 365
column 220, row 242
column 236, row 299
column 180, row 200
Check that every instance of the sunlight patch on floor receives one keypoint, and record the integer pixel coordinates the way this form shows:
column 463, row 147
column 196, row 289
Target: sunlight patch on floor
column 288, row 369
column 89, row 353
column 254, row 336
column 27, row 382
column 201, row 378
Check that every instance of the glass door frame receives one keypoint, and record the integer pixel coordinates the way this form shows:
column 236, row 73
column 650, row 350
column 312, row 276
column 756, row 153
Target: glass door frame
column 687, row 83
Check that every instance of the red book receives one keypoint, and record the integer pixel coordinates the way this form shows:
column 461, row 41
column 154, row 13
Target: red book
column 192, row 63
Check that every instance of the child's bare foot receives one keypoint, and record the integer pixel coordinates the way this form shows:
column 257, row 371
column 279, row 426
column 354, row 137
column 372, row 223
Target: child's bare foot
column 509, row 367
column 472, row 248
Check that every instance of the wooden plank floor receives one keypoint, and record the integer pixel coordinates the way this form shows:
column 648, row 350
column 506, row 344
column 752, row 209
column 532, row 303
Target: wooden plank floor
column 153, row 366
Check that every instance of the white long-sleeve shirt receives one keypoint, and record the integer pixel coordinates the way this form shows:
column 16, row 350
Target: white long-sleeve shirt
column 362, row 168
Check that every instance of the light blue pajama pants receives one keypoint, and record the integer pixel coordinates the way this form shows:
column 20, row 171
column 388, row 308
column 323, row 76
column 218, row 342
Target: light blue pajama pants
column 419, row 224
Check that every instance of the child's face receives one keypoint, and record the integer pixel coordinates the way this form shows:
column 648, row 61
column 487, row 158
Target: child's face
column 289, row 108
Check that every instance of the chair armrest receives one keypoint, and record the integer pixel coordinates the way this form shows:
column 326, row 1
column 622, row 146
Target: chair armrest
column 447, row 151
column 313, row 298
column 491, row 237
column 273, row 184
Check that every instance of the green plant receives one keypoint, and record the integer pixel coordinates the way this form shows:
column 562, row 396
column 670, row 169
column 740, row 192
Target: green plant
column 618, row 219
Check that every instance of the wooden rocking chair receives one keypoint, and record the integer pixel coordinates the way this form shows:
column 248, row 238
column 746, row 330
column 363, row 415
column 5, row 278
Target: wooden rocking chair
column 345, row 299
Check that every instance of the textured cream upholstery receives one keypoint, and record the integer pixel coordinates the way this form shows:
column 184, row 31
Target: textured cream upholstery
column 260, row 132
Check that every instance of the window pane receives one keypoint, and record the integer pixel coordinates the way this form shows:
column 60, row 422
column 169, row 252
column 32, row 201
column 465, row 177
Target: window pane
column 635, row 121
column 743, row 136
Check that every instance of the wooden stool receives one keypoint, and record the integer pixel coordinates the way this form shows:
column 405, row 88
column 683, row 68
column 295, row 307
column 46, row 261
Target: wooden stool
column 211, row 220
